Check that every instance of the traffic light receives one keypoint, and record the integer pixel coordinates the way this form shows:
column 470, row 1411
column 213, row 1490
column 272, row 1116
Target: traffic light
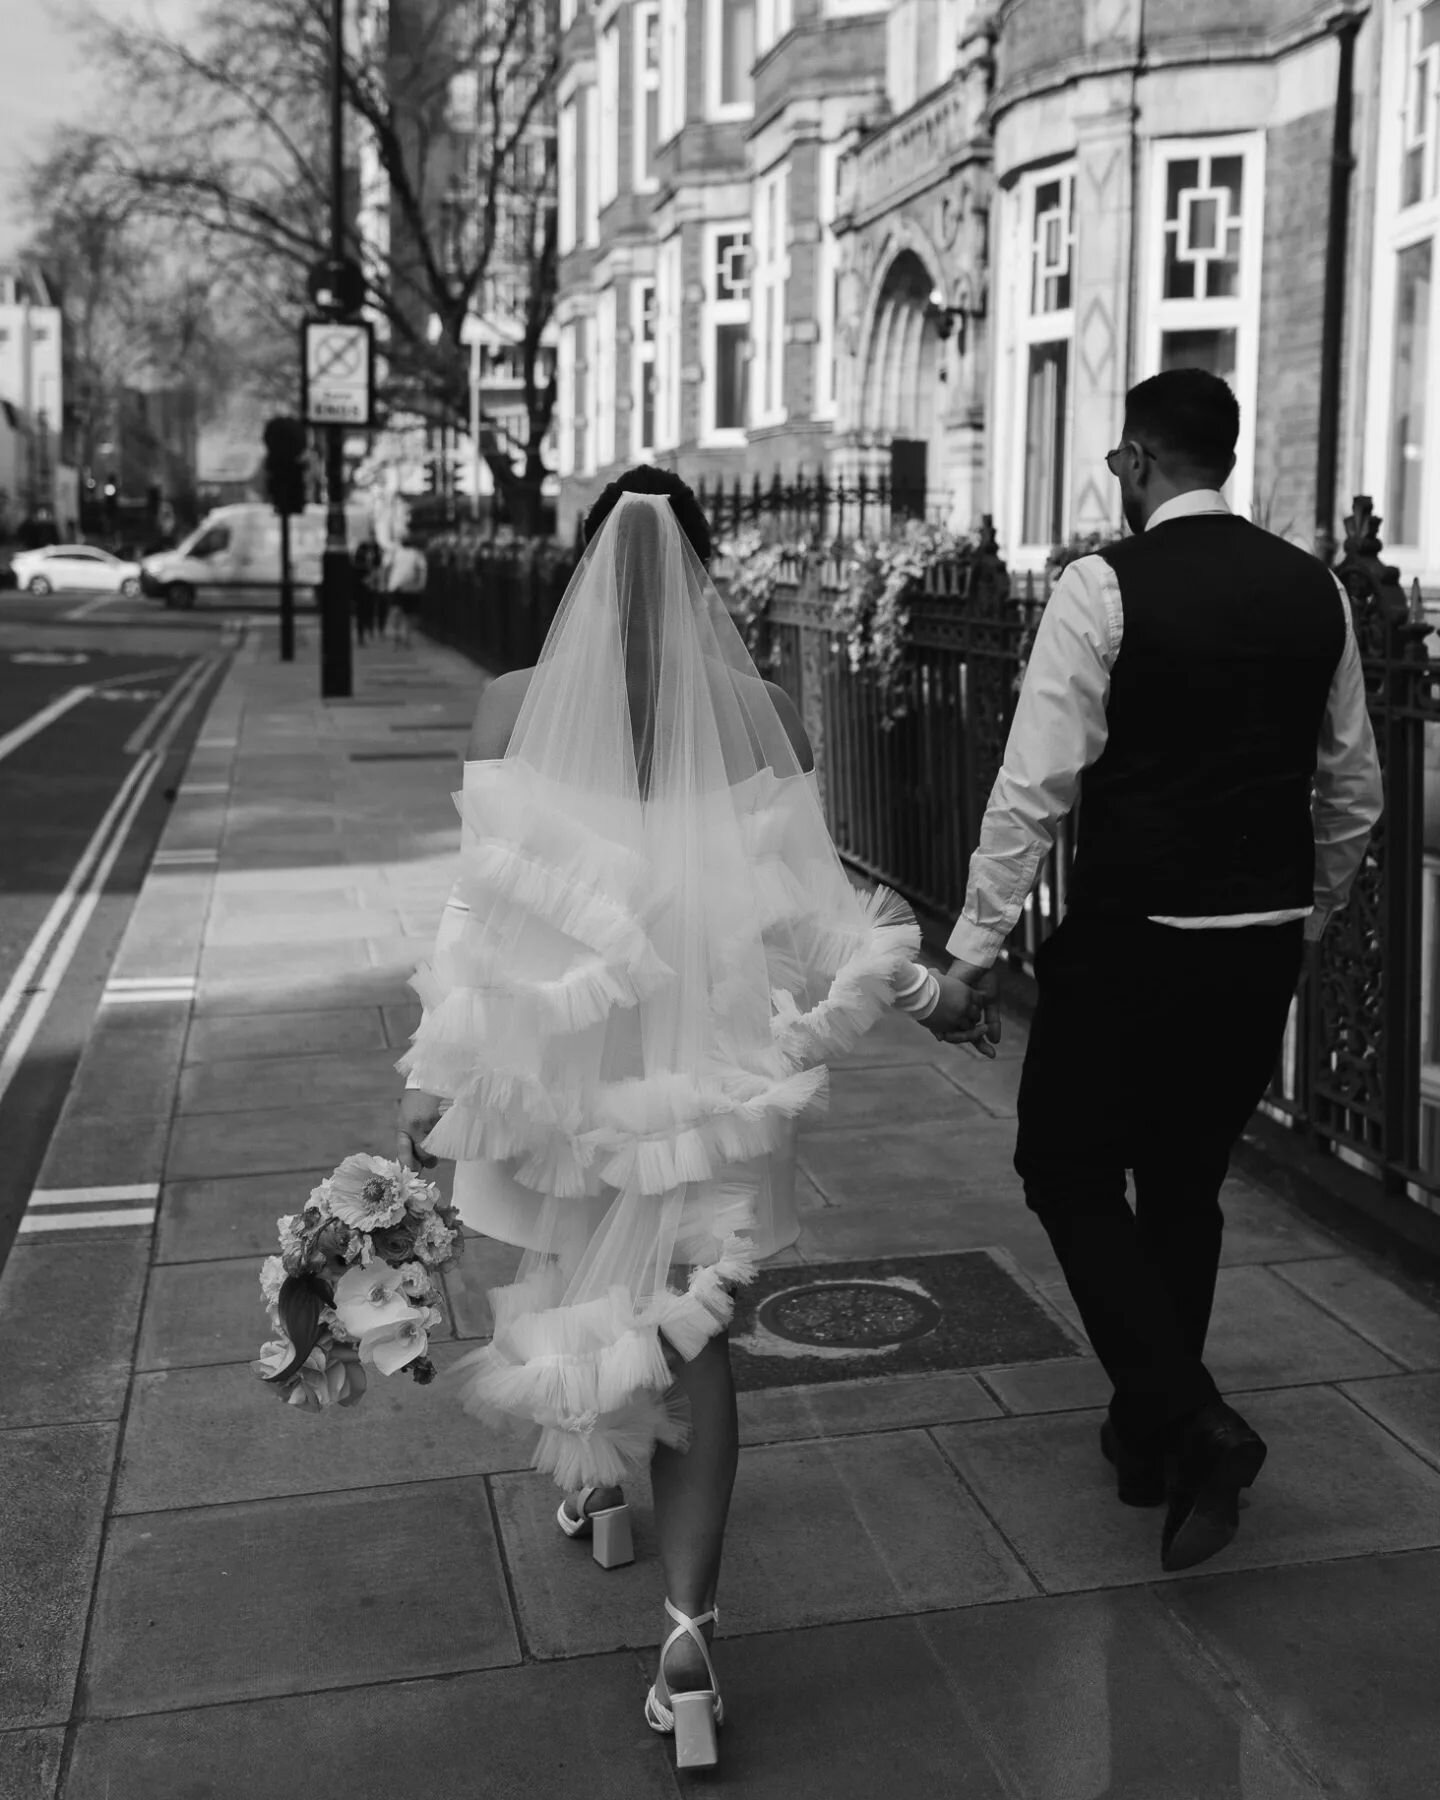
column 285, row 465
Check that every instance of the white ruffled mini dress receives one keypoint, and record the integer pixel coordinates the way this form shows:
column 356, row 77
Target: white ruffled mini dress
column 625, row 1050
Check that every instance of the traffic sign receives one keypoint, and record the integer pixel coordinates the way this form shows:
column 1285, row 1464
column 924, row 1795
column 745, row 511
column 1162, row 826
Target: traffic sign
column 339, row 372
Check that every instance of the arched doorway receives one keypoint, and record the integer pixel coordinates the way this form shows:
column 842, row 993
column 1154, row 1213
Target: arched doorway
column 902, row 379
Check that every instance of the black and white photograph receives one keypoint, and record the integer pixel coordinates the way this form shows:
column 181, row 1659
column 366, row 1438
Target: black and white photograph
column 720, row 899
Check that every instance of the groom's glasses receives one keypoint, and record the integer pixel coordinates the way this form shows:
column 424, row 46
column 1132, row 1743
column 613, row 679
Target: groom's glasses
column 1134, row 444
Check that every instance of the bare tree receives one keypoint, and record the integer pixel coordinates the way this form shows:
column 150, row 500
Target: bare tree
column 144, row 309
column 224, row 131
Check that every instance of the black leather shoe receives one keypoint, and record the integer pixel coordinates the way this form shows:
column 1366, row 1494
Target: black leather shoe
column 1218, row 1455
column 1140, row 1476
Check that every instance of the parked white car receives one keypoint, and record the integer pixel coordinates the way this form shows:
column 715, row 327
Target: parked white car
column 81, row 568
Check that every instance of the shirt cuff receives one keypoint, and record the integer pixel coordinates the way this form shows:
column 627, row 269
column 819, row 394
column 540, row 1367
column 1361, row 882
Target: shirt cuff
column 1315, row 924
column 975, row 944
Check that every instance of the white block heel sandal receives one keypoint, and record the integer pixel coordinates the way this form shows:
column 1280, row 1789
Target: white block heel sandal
column 692, row 1716
column 613, row 1542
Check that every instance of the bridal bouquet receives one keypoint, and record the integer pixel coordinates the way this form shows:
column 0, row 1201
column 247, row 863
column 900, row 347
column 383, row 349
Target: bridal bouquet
column 355, row 1285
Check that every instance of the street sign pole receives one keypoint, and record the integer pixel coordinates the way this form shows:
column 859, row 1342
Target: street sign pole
column 335, row 579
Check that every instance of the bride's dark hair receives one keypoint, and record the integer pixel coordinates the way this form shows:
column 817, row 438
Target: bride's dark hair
column 645, row 478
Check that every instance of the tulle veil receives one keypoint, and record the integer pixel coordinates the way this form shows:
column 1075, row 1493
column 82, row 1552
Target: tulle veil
column 652, row 949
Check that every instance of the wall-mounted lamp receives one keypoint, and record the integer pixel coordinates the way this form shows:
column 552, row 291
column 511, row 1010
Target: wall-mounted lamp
column 948, row 318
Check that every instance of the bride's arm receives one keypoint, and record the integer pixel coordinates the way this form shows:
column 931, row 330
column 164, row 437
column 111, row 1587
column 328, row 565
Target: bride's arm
column 496, row 714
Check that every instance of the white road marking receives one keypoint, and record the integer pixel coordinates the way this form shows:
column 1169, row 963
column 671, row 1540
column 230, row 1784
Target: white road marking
column 149, row 993
column 78, row 900
column 86, row 607
column 37, row 722
column 88, row 1221
column 185, row 859
column 177, row 693
column 94, row 1196
column 54, row 659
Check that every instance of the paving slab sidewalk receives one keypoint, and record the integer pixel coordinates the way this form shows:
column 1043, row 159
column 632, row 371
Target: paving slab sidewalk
column 929, row 1589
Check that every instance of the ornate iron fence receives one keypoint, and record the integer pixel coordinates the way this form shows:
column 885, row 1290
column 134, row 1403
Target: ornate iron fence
column 905, row 795
column 495, row 605
column 818, row 507
column 1365, row 1040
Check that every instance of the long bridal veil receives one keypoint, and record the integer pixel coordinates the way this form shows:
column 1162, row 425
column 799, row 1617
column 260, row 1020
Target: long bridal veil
column 653, row 950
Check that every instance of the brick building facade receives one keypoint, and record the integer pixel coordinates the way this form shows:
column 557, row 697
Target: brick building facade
column 948, row 235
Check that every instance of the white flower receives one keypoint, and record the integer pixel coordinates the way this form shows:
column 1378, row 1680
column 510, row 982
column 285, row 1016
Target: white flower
column 365, row 1192
column 394, row 1346
column 366, row 1299
column 272, row 1279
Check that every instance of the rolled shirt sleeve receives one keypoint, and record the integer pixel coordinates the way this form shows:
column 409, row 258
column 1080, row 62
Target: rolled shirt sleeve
column 1349, row 796
column 1058, row 731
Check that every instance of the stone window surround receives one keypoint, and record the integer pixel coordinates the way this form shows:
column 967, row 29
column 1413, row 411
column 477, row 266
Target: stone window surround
column 673, row 102
column 606, row 104
column 669, row 289
column 770, row 275
column 643, row 81
column 1399, row 228
column 717, row 109
column 1025, row 329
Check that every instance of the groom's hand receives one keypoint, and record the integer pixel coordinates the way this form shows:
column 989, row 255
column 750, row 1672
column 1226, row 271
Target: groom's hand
column 968, row 1010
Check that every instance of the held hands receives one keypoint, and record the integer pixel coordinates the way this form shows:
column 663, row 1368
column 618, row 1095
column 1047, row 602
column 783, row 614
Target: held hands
column 968, row 1010
column 417, row 1115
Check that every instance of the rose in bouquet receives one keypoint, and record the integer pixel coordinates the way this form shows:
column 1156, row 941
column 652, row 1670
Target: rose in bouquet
column 355, row 1286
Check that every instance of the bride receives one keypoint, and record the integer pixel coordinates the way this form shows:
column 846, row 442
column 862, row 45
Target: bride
column 650, row 953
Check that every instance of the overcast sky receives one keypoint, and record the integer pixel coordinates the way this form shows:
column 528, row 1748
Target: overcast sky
column 40, row 83
column 43, row 83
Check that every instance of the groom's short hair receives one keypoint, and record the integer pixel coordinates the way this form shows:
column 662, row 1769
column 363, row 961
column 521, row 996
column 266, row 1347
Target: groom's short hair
column 1188, row 417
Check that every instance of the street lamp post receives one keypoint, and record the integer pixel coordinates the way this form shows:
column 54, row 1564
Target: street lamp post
column 336, row 675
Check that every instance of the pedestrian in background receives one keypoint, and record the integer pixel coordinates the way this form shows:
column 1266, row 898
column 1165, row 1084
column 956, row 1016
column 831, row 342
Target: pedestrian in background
column 405, row 577
column 367, row 563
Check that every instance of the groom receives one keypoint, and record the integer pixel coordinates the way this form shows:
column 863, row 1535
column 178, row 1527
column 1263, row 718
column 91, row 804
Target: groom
column 1204, row 676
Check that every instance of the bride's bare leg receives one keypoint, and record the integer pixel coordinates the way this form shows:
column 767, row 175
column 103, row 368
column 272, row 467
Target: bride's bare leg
column 692, row 1498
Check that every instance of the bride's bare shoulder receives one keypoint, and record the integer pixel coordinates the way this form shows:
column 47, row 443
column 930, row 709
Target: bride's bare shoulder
column 496, row 714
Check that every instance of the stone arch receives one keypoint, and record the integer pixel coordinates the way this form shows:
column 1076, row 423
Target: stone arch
column 903, row 359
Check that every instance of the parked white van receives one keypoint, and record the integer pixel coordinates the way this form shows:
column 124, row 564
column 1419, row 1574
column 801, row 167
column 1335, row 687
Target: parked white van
column 238, row 547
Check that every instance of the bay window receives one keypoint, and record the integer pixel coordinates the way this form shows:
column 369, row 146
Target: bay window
column 1202, row 288
column 727, row 330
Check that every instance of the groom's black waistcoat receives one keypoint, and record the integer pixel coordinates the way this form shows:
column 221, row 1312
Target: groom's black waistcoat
column 1200, row 801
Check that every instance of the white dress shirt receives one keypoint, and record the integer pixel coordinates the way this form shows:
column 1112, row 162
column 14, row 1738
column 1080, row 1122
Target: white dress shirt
column 1060, row 729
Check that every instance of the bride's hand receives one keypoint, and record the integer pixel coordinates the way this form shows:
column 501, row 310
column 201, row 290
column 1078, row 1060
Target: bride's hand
column 418, row 1114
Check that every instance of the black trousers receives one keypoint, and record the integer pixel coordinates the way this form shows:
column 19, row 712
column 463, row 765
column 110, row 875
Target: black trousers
column 1149, row 1051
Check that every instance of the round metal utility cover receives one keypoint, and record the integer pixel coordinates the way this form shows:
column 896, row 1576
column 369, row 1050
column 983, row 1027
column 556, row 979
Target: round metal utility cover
column 849, row 1314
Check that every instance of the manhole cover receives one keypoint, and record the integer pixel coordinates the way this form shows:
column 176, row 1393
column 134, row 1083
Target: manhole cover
column 892, row 1315
column 849, row 1314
